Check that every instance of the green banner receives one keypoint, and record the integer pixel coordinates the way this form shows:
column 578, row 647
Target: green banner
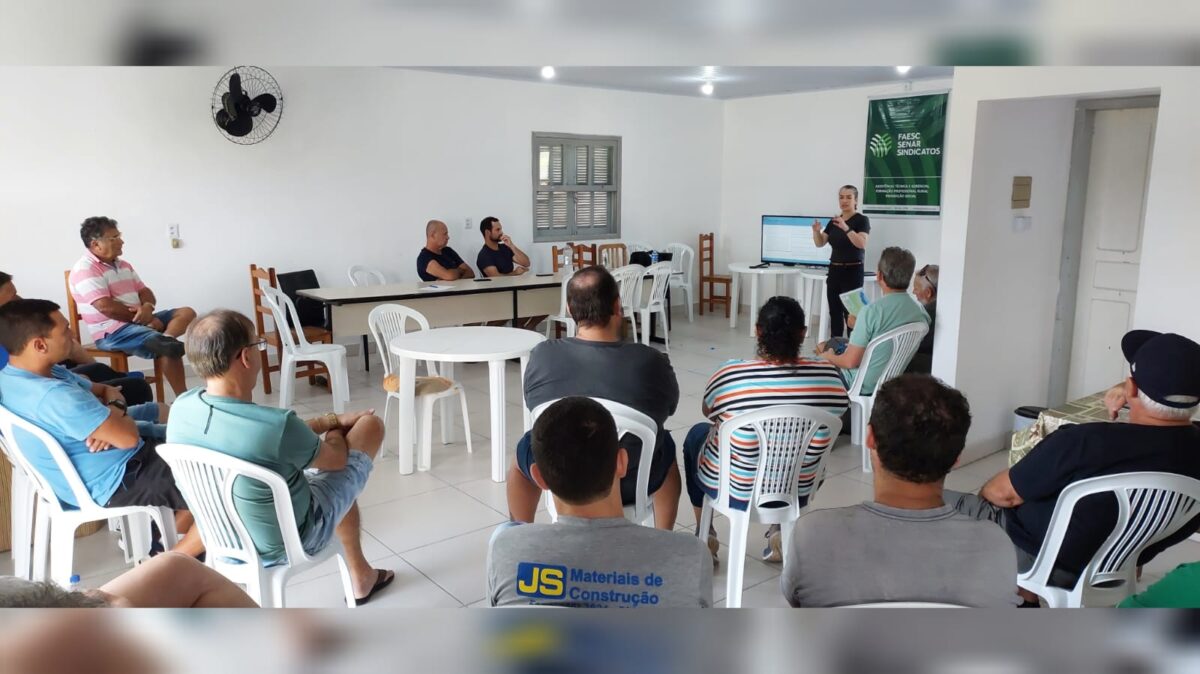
column 903, row 173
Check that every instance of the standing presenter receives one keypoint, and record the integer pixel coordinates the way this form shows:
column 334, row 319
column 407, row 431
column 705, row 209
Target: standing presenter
column 847, row 234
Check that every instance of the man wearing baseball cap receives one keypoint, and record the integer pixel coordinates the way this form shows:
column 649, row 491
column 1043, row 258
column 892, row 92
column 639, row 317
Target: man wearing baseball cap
column 1163, row 394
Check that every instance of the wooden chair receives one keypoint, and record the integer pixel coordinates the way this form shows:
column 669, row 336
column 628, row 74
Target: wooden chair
column 585, row 255
column 559, row 256
column 710, row 280
column 613, row 255
column 261, row 277
column 117, row 360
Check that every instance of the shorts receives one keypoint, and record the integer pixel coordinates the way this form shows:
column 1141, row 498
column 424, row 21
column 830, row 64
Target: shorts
column 333, row 493
column 146, row 418
column 660, row 464
column 147, row 482
column 130, row 337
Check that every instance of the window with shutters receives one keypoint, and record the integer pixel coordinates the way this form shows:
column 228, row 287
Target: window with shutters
column 576, row 187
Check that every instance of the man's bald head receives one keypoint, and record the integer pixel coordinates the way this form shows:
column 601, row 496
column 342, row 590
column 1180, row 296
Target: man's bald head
column 215, row 339
column 432, row 227
column 592, row 296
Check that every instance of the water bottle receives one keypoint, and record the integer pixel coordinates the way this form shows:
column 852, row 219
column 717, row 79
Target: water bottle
column 74, row 584
column 654, row 257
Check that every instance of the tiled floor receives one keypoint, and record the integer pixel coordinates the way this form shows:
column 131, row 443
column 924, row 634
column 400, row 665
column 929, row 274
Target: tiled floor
column 432, row 528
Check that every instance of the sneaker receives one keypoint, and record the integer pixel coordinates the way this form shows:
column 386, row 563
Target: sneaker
column 162, row 345
column 773, row 552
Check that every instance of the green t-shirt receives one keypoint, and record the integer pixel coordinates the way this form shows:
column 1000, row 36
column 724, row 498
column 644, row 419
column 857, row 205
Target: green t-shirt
column 270, row 437
column 1178, row 589
column 886, row 313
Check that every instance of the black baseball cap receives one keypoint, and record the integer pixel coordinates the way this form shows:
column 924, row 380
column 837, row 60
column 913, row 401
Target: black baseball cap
column 1165, row 366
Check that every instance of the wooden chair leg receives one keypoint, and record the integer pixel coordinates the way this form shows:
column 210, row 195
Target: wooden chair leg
column 266, row 372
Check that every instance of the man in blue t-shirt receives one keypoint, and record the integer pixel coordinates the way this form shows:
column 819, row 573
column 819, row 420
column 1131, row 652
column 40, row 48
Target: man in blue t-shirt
column 438, row 261
column 110, row 445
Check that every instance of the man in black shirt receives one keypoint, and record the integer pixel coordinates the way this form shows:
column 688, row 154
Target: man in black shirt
column 438, row 261
column 499, row 256
column 1163, row 393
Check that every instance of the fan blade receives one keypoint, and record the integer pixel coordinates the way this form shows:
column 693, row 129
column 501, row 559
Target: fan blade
column 264, row 101
column 235, row 127
column 229, row 108
column 235, row 84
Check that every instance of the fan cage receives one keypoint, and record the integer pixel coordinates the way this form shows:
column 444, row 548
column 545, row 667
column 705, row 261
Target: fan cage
column 255, row 81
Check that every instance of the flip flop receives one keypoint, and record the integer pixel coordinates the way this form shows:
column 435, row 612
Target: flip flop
column 382, row 579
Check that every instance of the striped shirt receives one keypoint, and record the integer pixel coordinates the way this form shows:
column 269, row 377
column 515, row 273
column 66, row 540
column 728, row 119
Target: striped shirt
column 745, row 385
column 93, row 279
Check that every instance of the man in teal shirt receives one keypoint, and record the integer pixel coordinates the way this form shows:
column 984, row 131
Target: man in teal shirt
column 893, row 309
column 223, row 348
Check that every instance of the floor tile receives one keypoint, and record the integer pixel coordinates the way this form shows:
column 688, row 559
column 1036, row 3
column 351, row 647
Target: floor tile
column 415, row 521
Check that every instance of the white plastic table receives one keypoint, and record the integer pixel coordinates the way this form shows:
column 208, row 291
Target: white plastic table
column 471, row 344
column 737, row 269
column 813, row 295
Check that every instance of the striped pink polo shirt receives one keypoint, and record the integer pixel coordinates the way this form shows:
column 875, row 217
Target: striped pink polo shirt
column 93, row 279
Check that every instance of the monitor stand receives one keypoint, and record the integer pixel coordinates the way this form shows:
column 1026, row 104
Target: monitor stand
column 760, row 265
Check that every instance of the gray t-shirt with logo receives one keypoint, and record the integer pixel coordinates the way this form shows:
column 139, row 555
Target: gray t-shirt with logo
column 875, row 553
column 610, row 563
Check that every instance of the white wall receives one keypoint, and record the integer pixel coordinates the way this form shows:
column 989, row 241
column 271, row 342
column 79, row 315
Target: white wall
column 970, row 257
column 791, row 153
column 362, row 158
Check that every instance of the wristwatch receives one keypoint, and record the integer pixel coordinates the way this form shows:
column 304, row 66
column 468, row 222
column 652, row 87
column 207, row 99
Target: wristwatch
column 119, row 404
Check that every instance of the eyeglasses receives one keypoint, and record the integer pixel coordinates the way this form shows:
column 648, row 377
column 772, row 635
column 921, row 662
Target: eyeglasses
column 260, row 345
column 114, row 237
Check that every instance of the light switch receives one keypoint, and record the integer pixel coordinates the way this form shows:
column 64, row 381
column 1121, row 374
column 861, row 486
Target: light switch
column 1022, row 189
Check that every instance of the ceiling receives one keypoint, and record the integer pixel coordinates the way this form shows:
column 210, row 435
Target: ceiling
column 728, row 81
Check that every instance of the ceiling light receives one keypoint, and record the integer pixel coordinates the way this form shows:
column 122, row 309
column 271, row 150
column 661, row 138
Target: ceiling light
column 547, row 72
column 706, row 88
column 903, row 70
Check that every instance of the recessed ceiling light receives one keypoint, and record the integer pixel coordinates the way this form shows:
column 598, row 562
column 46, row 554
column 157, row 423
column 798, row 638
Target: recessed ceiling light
column 706, row 88
column 548, row 72
column 903, row 70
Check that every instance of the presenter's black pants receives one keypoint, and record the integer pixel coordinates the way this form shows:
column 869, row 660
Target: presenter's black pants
column 841, row 279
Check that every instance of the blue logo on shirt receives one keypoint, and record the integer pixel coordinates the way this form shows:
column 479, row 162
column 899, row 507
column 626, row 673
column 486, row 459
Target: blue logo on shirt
column 544, row 581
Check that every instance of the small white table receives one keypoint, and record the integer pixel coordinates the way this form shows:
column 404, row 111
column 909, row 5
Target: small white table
column 814, row 295
column 737, row 269
column 471, row 344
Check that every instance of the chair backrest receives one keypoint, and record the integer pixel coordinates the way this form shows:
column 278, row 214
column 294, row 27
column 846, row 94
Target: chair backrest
column 206, row 479
column 898, row 346
column 563, row 310
column 789, row 467
column 73, row 316
column 636, row 246
column 708, row 255
column 585, row 255
column 562, row 257
column 1150, row 507
column 20, row 435
column 262, row 278
column 629, row 279
column 281, row 307
column 629, row 422
column 682, row 257
column 613, row 255
column 388, row 321
column 661, row 279
column 362, row 275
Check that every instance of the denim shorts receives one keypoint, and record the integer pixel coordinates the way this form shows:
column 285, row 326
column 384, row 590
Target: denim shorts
column 146, row 418
column 130, row 337
column 333, row 492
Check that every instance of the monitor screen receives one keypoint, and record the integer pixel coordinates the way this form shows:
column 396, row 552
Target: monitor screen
column 788, row 239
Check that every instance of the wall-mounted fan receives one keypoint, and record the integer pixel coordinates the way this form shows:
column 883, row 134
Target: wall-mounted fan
column 247, row 105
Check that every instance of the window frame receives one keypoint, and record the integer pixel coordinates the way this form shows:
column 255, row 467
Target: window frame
column 572, row 140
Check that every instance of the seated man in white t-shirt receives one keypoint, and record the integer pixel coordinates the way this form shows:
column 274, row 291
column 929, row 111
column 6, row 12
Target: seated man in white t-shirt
column 593, row 556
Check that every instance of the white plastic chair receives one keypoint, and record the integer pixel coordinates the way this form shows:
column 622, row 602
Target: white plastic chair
column 629, row 279
column 564, row 315
column 632, row 422
column 296, row 349
column 656, row 302
column 21, row 517
column 903, row 342
column 636, row 247
column 361, row 275
column 206, row 479
column 905, row 604
column 387, row 322
column 788, row 468
column 683, row 270
column 55, row 523
column 1150, row 507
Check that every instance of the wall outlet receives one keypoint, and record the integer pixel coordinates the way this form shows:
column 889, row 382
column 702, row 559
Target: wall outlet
column 173, row 231
column 468, row 225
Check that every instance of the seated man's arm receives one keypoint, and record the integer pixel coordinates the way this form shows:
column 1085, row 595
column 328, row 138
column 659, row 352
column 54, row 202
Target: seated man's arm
column 114, row 309
column 441, row 273
column 119, row 430
column 465, row 271
column 1000, row 491
column 332, row 453
column 849, row 359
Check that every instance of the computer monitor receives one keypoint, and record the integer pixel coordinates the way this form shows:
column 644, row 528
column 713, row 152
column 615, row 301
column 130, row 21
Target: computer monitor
column 787, row 239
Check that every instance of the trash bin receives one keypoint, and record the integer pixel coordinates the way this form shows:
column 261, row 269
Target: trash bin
column 1023, row 417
